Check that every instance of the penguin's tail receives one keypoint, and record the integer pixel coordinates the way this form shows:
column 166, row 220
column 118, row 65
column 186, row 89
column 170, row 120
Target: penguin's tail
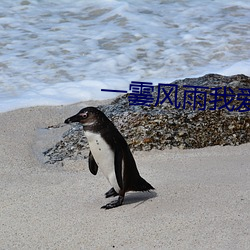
column 141, row 185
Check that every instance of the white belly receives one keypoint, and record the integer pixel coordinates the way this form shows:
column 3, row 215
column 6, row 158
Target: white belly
column 104, row 157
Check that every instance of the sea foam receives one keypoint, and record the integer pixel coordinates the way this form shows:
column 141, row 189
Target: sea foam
column 63, row 52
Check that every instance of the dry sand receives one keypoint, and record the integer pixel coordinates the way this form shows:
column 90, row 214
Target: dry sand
column 201, row 201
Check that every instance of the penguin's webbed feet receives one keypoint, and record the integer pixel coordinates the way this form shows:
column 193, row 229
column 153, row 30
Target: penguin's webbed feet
column 111, row 193
column 113, row 204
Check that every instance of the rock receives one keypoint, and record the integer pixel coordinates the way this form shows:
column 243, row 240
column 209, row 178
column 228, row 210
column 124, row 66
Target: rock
column 165, row 126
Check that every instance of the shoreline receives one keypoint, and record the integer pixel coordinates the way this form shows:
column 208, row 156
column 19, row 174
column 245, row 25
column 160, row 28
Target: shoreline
column 201, row 197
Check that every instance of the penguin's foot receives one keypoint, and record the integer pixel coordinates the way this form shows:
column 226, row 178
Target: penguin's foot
column 111, row 193
column 113, row 204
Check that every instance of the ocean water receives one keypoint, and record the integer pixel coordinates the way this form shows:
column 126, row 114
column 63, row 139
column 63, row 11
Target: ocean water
column 61, row 52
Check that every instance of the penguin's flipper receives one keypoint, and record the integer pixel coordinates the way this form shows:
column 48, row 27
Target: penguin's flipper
column 111, row 193
column 93, row 167
column 118, row 166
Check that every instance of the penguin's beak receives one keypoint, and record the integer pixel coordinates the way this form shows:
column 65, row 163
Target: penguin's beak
column 74, row 118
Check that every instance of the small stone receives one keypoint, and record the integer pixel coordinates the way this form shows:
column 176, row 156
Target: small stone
column 181, row 133
column 147, row 140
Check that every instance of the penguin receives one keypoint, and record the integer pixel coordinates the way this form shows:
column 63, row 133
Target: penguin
column 110, row 152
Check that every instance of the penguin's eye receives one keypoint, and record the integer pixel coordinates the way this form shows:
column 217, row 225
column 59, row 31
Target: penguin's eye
column 84, row 115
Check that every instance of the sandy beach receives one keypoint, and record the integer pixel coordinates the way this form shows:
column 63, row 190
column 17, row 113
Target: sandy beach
column 201, row 198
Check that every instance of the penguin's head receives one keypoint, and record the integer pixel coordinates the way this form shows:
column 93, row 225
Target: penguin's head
column 88, row 117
